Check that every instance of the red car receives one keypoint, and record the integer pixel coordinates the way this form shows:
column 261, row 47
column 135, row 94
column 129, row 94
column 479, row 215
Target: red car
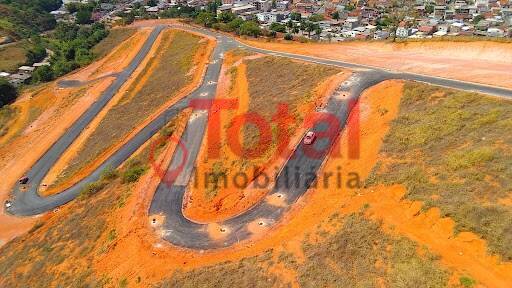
column 309, row 138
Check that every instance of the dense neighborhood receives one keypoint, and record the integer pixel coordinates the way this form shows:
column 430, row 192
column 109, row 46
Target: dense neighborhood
column 333, row 21
column 338, row 20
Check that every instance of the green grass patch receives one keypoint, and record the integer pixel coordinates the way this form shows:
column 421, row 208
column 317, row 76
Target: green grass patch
column 456, row 146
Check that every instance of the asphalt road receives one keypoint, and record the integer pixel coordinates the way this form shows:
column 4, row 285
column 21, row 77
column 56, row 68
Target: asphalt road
column 168, row 199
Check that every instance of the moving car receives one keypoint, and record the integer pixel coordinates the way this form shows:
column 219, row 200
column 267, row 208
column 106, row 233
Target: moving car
column 23, row 180
column 309, row 138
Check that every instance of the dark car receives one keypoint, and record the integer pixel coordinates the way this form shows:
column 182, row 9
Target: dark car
column 23, row 180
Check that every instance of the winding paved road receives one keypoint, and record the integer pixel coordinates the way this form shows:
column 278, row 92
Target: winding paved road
column 168, row 200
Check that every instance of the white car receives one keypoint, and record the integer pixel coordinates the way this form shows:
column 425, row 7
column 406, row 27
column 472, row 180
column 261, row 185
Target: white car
column 8, row 204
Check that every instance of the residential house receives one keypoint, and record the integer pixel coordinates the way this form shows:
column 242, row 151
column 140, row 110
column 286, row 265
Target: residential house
column 428, row 30
column 402, row 31
column 239, row 10
column 351, row 23
column 380, row 35
column 495, row 32
column 26, row 69
column 282, row 5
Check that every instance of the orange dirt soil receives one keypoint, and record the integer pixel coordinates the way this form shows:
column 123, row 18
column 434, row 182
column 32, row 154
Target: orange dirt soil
column 470, row 61
column 201, row 58
column 141, row 252
column 58, row 108
column 231, row 200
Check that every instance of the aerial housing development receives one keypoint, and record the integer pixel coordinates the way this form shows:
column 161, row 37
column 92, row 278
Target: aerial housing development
column 255, row 143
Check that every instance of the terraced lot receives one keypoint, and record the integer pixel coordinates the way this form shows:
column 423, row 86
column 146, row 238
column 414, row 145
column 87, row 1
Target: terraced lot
column 453, row 150
column 162, row 78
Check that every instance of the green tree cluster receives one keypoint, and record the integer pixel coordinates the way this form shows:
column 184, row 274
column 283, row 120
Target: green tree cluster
column 24, row 18
column 7, row 92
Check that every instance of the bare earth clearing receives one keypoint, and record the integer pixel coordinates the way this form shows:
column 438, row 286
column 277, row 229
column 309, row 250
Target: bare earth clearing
column 482, row 62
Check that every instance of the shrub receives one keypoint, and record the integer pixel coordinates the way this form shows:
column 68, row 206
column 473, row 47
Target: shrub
column 250, row 28
column 91, row 189
column 467, row 281
column 288, row 36
column 109, row 174
column 134, row 169
column 43, row 74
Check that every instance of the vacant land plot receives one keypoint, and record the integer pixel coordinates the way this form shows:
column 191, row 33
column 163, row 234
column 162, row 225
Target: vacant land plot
column 453, row 150
column 259, row 84
column 167, row 73
column 82, row 231
column 12, row 56
column 115, row 36
column 358, row 254
column 274, row 81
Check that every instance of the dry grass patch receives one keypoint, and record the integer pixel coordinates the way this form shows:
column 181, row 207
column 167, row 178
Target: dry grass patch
column 12, row 56
column 357, row 254
column 60, row 251
column 115, row 36
column 168, row 74
column 7, row 115
column 453, row 150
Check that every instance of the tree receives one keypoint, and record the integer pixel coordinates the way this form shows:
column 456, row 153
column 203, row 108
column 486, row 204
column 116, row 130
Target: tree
column 278, row 27
column 477, row 19
column 349, row 7
column 49, row 5
column 43, row 74
column 235, row 24
column 316, row 18
column 310, row 27
column 128, row 18
column 250, row 28
column 35, row 54
column 206, row 18
column 295, row 16
column 226, row 17
column 83, row 16
column 295, row 29
column 152, row 3
column 429, row 8
column 335, row 15
column 7, row 92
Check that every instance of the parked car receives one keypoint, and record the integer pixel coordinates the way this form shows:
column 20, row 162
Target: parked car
column 23, row 180
column 7, row 204
column 309, row 138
